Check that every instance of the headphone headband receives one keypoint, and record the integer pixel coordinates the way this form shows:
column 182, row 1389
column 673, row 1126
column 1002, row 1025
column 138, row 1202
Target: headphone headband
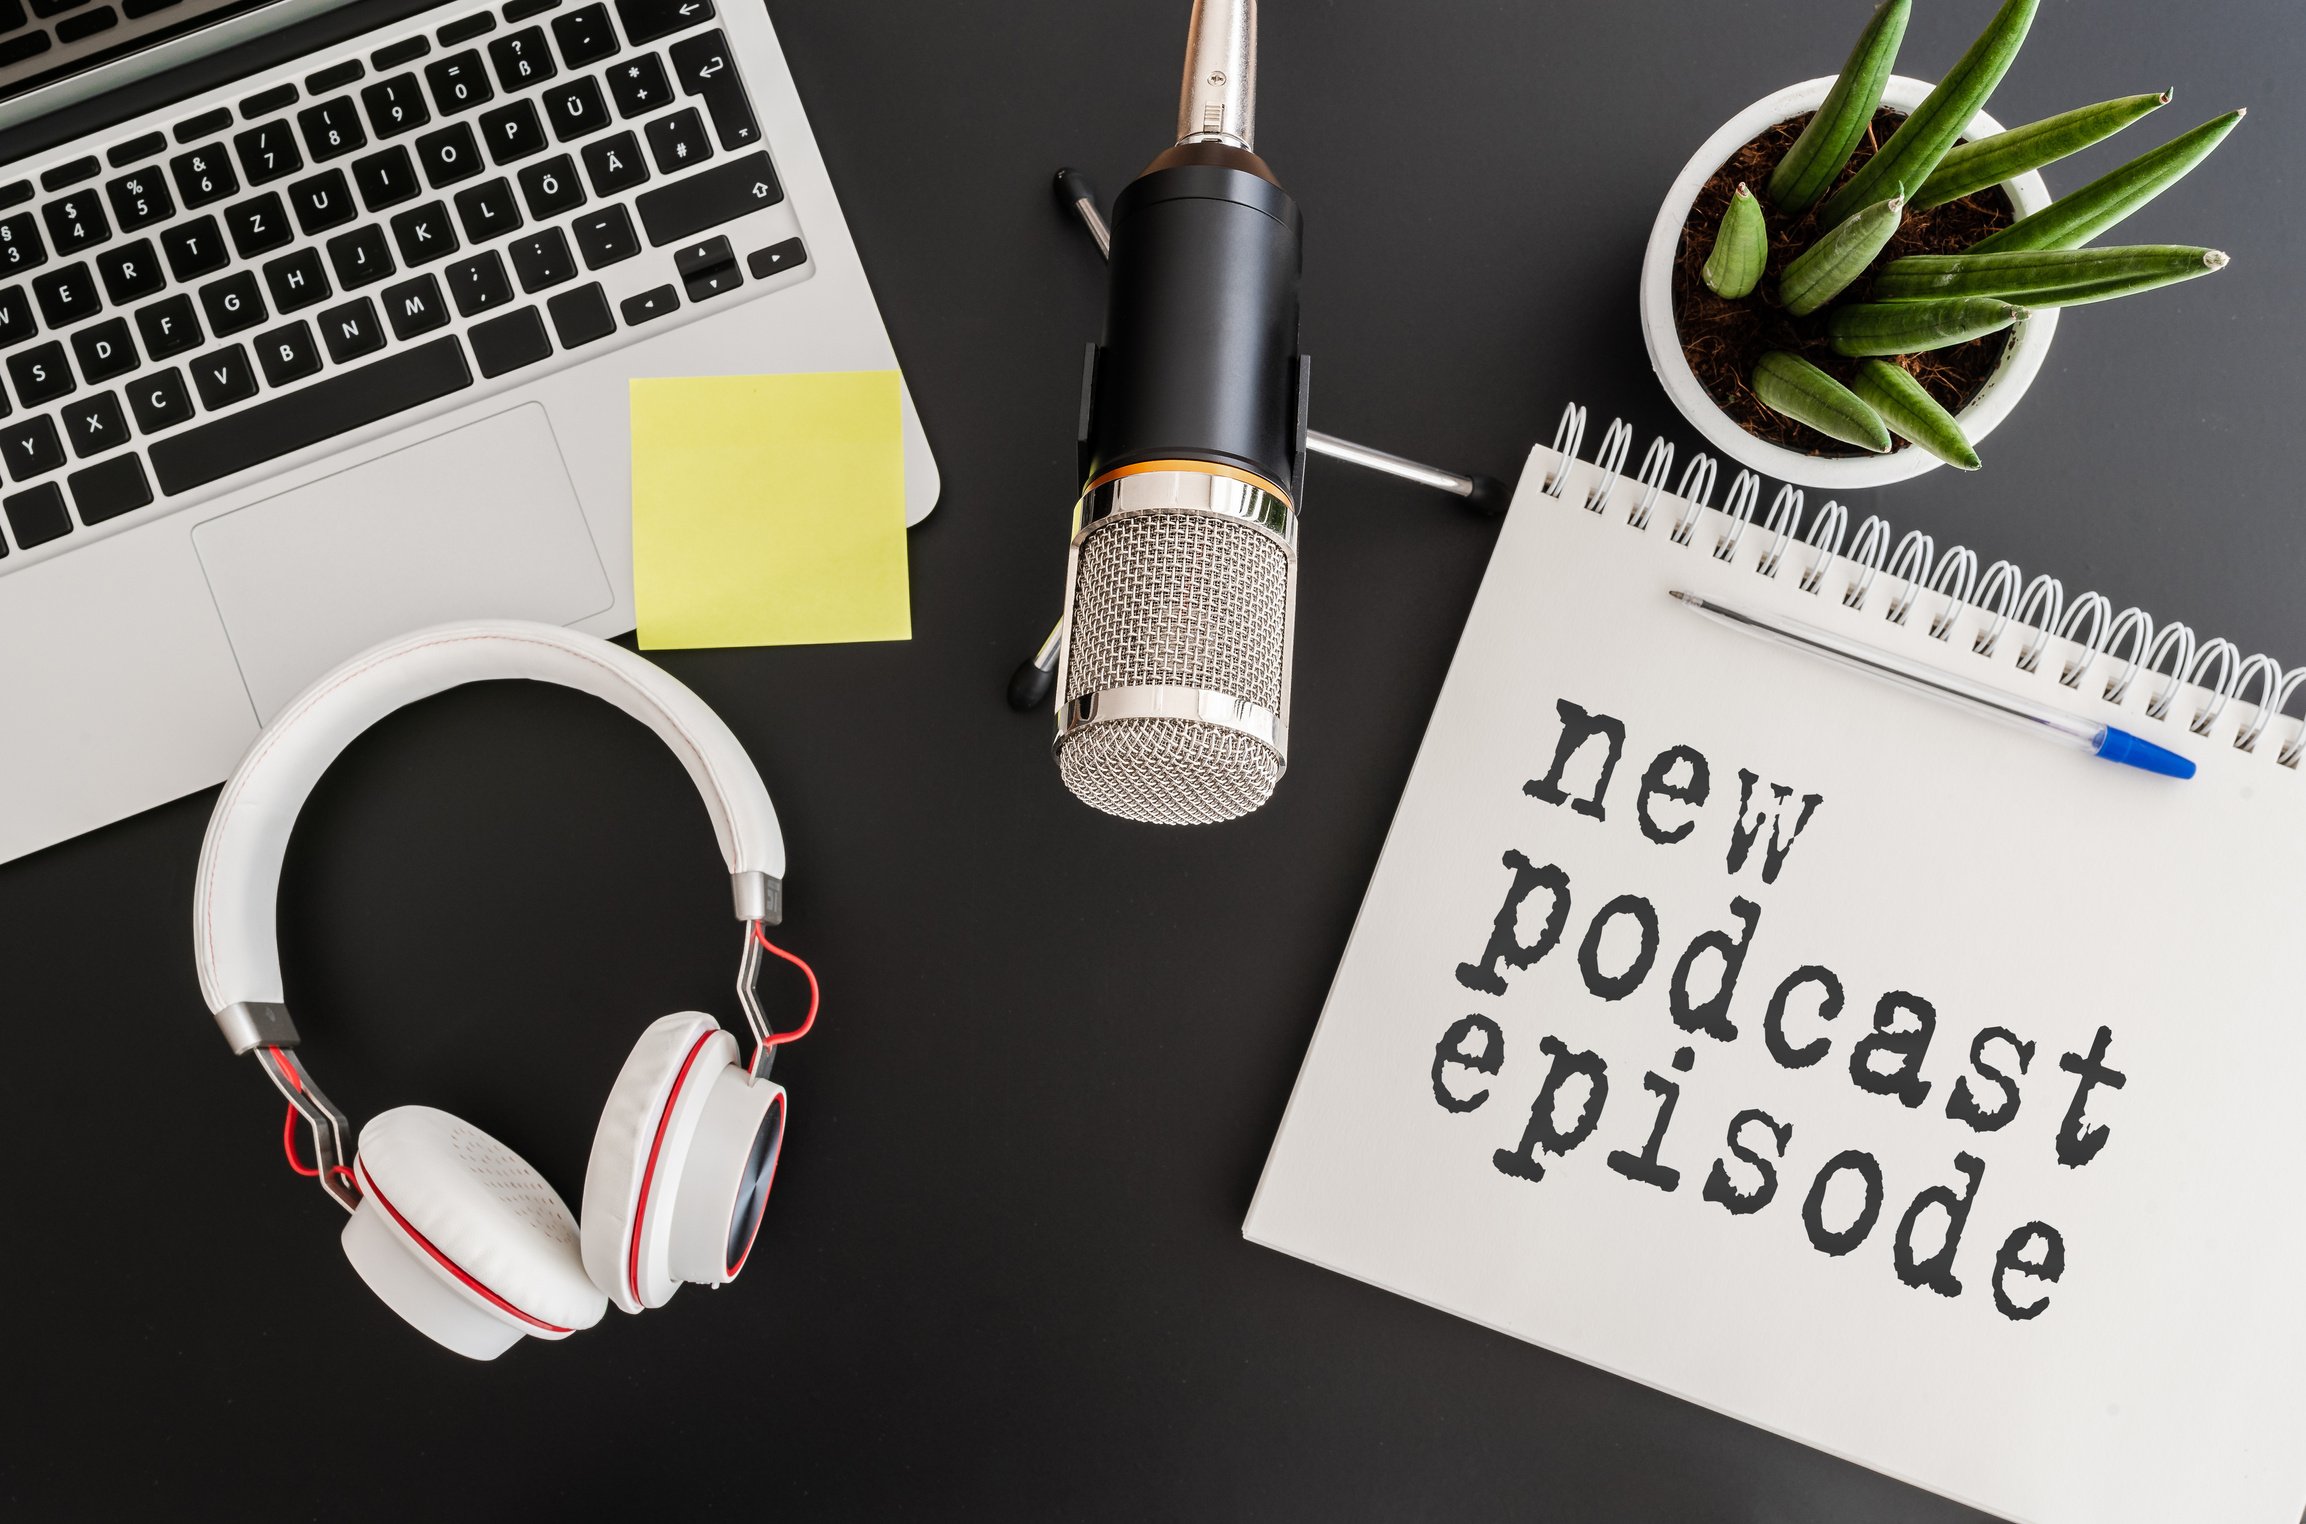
column 235, row 904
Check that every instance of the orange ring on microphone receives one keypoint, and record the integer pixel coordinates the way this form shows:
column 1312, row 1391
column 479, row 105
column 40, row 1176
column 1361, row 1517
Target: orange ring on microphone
column 1204, row 467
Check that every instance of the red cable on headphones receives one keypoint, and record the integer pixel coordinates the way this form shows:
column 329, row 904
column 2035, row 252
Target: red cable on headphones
column 288, row 1126
column 779, row 1039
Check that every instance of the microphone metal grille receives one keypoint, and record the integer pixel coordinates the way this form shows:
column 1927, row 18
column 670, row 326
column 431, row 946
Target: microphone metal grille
column 1187, row 600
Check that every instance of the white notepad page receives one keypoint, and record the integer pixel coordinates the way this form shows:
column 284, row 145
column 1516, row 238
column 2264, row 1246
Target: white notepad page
column 2004, row 881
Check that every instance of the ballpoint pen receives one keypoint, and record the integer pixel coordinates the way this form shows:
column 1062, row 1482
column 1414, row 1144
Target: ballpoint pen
column 2103, row 741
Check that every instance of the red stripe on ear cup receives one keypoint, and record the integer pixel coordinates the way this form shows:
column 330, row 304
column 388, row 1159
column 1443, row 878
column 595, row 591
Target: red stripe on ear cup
column 368, row 1184
column 649, row 1172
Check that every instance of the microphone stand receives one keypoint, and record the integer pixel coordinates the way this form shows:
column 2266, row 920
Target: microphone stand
column 1033, row 681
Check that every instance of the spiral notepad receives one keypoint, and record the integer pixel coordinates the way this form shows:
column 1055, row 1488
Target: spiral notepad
column 1866, row 1070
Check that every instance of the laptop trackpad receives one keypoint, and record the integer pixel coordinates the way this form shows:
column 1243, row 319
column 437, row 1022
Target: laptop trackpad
column 479, row 524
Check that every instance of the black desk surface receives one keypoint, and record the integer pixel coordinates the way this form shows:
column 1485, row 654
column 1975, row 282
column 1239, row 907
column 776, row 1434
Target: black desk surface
column 1003, row 1274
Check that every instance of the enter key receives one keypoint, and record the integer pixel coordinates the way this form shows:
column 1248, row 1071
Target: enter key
column 705, row 70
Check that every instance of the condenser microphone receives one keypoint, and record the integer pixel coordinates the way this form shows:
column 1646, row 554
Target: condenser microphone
column 1173, row 663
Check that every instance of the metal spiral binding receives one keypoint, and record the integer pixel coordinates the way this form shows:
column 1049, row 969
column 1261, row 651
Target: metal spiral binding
column 2169, row 655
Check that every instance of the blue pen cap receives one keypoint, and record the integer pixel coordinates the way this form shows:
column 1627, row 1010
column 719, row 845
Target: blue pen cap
column 2135, row 751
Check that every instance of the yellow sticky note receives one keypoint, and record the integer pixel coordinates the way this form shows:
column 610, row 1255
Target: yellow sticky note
column 769, row 510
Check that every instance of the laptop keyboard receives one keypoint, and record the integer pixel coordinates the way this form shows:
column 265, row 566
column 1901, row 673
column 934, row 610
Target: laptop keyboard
column 450, row 212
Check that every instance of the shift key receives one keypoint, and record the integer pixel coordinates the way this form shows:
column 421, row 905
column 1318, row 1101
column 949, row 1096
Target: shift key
column 676, row 212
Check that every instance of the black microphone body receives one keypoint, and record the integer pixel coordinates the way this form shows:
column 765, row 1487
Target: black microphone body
column 1200, row 361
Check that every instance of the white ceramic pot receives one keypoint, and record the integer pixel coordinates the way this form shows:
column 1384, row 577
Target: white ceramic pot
column 2029, row 345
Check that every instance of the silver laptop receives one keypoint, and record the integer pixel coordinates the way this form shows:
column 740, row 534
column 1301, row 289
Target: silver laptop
column 316, row 324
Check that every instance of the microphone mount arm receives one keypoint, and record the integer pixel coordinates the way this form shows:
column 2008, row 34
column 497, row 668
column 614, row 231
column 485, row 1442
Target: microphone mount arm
column 1031, row 684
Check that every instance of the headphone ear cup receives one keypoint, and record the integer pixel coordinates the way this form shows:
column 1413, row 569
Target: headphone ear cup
column 675, row 1173
column 461, row 1237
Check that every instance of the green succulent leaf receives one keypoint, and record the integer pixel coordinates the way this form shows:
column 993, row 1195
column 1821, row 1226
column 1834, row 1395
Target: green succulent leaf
column 1912, row 328
column 1809, row 167
column 1788, row 384
column 2074, row 219
column 1972, row 167
column 1913, row 152
column 1913, row 414
column 1741, row 249
column 2044, row 278
column 1826, row 268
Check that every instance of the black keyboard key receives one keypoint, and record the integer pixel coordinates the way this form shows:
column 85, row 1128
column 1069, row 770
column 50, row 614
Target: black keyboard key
column 77, row 222
column 194, row 249
column 542, row 260
column 395, row 106
column 708, row 269
column 685, row 208
column 361, row 257
column 424, row 234
column 352, row 330
column 415, row 306
column 140, row 199
column 268, row 152
column 640, row 85
column 160, row 402
column 38, row 516
column 585, row 36
column 606, row 237
column 131, row 272
column 169, row 326
column 479, row 284
column 150, row 146
column 489, row 211
column 95, row 424
column 31, row 448
column 16, row 321
column 20, row 244
column 55, row 7
column 466, row 29
column 70, row 173
column 259, row 225
column 552, row 188
column 12, row 15
column 349, row 400
column 267, row 102
column 577, row 109
column 521, row 10
column 17, row 49
column 40, row 374
column 86, row 25
column 647, row 307
column 616, row 165
column 777, row 259
column 679, row 141
column 510, row 342
column 581, row 316
column 105, row 351
column 393, row 54
column 203, row 175
column 449, row 155
column 332, row 129
column 705, row 68
column 297, row 281
column 335, row 77
column 67, row 296
column 110, row 489
column 522, row 59
column 459, row 83
column 647, row 20
column 15, row 193
column 322, row 202
column 386, row 179
column 207, row 124
column 288, row 354
column 233, row 304
column 224, row 377
column 513, row 132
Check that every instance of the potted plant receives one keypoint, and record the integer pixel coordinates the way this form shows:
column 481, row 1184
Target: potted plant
column 1857, row 278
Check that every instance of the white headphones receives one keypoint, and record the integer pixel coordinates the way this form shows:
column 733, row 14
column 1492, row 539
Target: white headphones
column 456, row 1232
